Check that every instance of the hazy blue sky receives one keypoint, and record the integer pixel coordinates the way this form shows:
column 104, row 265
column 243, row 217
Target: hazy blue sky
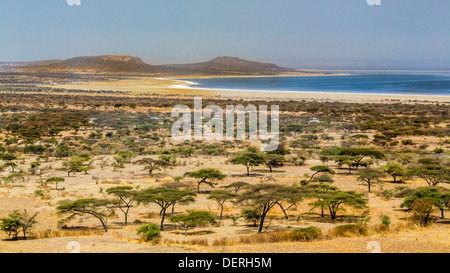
column 294, row 33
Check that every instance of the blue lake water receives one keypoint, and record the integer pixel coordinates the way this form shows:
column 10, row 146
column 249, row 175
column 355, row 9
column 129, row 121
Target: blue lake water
column 400, row 83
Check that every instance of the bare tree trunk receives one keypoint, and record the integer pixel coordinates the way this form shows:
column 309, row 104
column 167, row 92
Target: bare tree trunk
column 162, row 218
column 261, row 223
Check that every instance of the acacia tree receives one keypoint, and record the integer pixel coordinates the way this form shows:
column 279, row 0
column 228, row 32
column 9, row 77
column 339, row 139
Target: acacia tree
column 274, row 160
column 335, row 199
column 342, row 160
column 8, row 158
column 263, row 197
column 18, row 221
column 207, row 176
column 354, row 157
column 249, row 158
column 126, row 196
column 323, row 178
column 165, row 197
column 26, row 221
column 13, row 177
column 444, row 201
column 194, row 219
column 422, row 201
column 34, row 167
column 91, row 206
column 11, row 164
column 236, row 186
column 395, row 170
column 370, row 176
column 74, row 164
column 432, row 174
column 11, row 226
column 320, row 169
column 152, row 164
column 221, row 196
column 422, row 208
column 320, row 192
column 56, row 180
column 294, row 195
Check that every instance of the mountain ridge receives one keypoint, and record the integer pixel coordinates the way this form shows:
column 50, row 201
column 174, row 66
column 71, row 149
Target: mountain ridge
column 125, row 64
column 233, row 65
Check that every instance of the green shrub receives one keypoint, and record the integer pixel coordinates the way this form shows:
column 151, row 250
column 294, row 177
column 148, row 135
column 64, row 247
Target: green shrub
column 304, row 182
column 408, row 142
column 150, row 232
column 39, row 193
column 385, row 220
column 251, row 215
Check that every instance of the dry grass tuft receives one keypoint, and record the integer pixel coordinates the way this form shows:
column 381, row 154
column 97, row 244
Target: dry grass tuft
column 361, row 230
column 300, row 235
column 349, row 230
column 199, row 242
column 67, row 233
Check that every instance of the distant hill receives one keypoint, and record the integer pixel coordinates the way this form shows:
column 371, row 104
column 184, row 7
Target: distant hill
column 94, row 65
column 123, row 64
column 231, row 66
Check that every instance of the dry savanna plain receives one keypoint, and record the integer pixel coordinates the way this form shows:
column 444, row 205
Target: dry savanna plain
column 79, row 154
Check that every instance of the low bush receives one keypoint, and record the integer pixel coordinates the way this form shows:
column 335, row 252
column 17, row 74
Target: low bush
column 149, row 232
column 385, row 220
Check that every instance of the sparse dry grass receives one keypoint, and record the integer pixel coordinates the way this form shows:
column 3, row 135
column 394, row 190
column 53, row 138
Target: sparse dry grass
column 67, row 233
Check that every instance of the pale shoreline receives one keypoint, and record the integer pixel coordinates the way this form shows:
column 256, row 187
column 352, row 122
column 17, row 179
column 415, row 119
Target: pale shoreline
column 338, row 96
column 305, row 73
column 177, row 86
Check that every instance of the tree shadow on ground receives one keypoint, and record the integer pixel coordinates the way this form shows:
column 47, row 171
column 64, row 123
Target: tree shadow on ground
column 392, row 182
column 245, row 175
column 195, row 232
column 442, row 221
column 340, row 219
column 268, row 171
